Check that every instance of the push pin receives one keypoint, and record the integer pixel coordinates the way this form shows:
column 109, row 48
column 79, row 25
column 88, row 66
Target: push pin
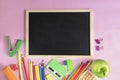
column 98, row 48
column 98, row 40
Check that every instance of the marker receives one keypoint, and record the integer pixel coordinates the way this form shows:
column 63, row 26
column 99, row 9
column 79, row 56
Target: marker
column 20, row 65
column 24, row 68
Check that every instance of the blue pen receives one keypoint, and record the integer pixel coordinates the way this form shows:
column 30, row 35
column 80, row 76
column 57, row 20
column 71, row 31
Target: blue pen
column 42, row 73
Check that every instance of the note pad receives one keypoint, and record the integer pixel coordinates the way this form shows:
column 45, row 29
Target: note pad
column 56, row 69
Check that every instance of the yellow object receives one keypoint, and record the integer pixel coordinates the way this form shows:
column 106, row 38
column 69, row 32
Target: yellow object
column 37, row 72
column 30, row 70
column 84, row 69
column 20, row 65
column 49, row 77
column 9, row 74
column 87, row 75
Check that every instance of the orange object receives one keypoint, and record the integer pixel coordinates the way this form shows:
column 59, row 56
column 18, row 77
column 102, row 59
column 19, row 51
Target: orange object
column 76, row 71
column 9, row 74
column 85, row 68
column 65, row 78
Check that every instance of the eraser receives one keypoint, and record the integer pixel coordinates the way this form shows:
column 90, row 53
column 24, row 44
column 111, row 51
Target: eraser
column 49, row 77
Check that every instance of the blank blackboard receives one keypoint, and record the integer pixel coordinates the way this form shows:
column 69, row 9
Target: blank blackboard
column 58, row 32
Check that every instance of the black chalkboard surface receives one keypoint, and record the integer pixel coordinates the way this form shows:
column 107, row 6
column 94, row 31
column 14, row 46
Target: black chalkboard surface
column 60, row 32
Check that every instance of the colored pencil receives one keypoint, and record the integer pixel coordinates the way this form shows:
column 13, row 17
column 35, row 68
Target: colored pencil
column 76, row 76
column 87, row 65
column 30, row 70
column 24, row 68
column 37, row 72
column 34, row 75
column 20, row 65
column 76, row 71
column 72, row 73
column 42, row 73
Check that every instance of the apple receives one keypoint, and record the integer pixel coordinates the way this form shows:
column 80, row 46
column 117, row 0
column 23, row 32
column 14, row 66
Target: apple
column 100, row 68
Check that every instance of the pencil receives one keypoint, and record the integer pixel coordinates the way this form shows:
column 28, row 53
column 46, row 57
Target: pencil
column 37, row 72
column 87, row 65
column 72, row 73
column 42, row 73
column 30, row 70
column 24, row 68
column 34, row 75
column 76, row 71
column 20, row 65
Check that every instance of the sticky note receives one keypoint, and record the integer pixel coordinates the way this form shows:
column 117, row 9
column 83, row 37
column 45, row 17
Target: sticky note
column 49, row 77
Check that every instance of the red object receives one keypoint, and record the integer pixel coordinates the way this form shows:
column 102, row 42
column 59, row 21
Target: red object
column 80, row 70
column 24, row 67
column 14, row 67
column 34, row 75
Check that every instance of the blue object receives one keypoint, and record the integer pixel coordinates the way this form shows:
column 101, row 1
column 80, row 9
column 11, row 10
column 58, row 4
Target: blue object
column 42, row 73
column 65, row 62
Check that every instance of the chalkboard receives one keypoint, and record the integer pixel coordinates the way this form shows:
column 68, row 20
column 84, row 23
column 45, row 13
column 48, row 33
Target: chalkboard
column 58, row 32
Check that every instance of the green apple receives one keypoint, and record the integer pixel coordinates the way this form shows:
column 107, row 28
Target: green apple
column 100, row 68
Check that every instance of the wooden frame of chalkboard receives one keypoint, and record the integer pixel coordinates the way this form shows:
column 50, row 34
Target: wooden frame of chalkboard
column 34, row 18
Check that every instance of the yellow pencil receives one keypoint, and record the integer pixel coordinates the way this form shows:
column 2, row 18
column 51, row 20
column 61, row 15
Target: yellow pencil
column 37, row 72
column 20, row 65
column 30, row 70
column 84, row 69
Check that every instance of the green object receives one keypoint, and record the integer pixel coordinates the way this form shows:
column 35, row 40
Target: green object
column 16, row 48
column 69, row 65
column 73, row 71
column 100, row 68
column 56, row 69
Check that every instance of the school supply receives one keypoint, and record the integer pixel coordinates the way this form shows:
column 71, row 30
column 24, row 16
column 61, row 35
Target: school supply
column 14, row 67
column 18, row 45
column 24, row 68
column 73, row 72
column 37, row 72
column 56, row 69
column 20, row 65
column 84, row 69
column 49, row 77
column 69, row 65
column 42, row 73
column 76, row 72
column 9, row 74
column 34, row 74
column 30, row 70
column 88, row 75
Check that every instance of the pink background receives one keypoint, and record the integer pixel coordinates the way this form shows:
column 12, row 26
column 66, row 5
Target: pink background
column 106, row 21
